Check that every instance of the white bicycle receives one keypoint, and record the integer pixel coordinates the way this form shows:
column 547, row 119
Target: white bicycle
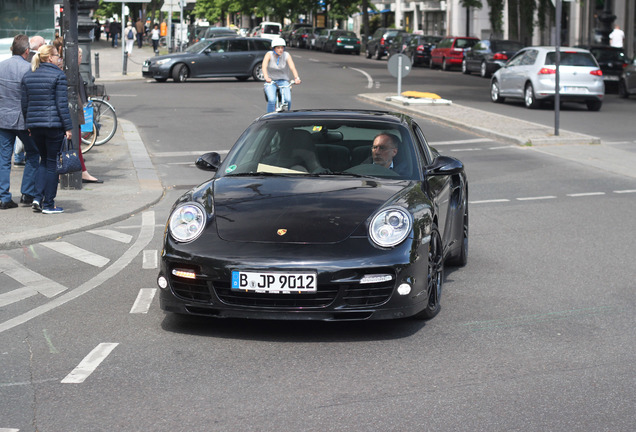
column 281, row 103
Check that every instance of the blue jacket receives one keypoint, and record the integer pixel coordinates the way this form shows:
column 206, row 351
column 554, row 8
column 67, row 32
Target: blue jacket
column 45, row 98
column 11, row 72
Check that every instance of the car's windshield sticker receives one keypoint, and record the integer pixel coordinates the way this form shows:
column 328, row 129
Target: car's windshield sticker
column 230, row 168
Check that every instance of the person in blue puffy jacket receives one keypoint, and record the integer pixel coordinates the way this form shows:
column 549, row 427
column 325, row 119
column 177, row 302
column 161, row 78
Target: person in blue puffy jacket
column 48, row 119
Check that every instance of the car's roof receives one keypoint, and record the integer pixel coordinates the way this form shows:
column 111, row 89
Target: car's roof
column 340, row 114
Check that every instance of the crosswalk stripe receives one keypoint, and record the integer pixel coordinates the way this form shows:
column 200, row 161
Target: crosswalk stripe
column 150, row 259
column 77, row 253
column 112, row 235
column 34, row 283
column 89, row 364
column 143, row 301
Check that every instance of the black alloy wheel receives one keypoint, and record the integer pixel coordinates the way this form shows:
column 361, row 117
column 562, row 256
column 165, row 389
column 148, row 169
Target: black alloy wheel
column 180, row 73
column 435, row 278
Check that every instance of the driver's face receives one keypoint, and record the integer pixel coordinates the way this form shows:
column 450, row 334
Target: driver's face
column 383, row 151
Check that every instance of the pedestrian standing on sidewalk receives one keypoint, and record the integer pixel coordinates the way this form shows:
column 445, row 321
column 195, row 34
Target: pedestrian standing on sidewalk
column 139, row 26
column 130, row 34
column 616, row 37
column 115, row 31
column 19, row 155
column 48, row 119
column 12, row 124
column 154, row 36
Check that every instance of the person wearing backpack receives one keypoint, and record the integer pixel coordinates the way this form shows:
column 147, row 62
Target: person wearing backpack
column 130, row 35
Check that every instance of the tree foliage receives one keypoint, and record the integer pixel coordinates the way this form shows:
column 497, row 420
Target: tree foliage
column 495, row 16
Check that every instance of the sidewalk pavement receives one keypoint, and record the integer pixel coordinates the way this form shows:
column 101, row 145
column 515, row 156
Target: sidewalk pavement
column 132, row 185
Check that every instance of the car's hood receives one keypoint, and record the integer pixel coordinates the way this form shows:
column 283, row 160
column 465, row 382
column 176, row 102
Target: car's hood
column 296, row 210
column 169, row 56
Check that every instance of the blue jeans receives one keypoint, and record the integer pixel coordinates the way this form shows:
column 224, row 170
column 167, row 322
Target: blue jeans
column 49, row 143
column 270, row 92
column 7, row 142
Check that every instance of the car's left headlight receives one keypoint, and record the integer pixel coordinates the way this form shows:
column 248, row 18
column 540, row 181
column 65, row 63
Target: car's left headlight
column 390, row 226
column 163, row 61
column 187, row 222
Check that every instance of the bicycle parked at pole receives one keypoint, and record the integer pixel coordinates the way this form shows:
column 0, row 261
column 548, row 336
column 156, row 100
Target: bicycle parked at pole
column 104, row 119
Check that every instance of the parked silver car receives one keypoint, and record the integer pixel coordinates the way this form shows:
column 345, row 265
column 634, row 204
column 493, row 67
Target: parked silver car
column 530, row 76
column 627, row 83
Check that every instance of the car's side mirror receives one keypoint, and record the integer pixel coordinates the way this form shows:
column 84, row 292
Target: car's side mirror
column 445, row 165
column 209, row 161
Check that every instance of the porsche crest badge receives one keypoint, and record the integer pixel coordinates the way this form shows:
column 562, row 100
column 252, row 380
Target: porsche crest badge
column 281, row 232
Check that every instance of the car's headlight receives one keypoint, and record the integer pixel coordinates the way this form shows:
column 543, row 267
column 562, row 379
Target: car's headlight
column 163, row 61
column 390, row 226
column 187, row 222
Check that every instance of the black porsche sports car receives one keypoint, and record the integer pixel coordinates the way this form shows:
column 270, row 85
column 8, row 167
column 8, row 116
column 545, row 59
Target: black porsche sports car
column 300, row 221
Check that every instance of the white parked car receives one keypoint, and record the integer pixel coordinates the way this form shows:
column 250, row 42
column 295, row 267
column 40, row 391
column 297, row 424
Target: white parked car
column 530, row 75
column 269, row 30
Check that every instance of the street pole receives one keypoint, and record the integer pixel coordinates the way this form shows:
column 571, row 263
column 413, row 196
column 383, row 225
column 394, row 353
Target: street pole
column 557, row 98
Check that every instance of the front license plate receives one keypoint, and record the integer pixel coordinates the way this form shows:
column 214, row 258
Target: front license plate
column 274, row 282
column 610, row 77
column 144, row 68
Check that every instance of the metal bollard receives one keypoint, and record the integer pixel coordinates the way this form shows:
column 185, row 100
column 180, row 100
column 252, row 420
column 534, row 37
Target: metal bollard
column 96, row 65
column 125, row 63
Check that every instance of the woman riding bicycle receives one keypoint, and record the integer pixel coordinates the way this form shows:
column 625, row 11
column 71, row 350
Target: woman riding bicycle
column 278, row 68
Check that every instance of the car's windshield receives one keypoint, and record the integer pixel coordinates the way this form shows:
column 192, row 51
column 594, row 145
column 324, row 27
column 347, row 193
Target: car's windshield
column 198, row 47
column 321, row 147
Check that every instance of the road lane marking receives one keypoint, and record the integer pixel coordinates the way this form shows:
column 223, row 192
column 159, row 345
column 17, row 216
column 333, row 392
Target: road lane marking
column 489, row 201
column 625, row 191
column 89, row 364
column 585, row 194
column 143, row 301
column 145, row 236
column 112, row 235
column 536, row 198
column 72, row 251
column 150, row 260
column 9, row 430
column 34, row 283
column 366, row 75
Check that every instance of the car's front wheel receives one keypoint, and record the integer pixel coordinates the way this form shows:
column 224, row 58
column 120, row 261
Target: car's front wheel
column 180, row 73
column 483, row 70
column 528, row 97
column 378, row 55
column 594, row 105
column 257, row 72
column 435, row 278
column 444, row 65
column 495, row 92
column 622, row 90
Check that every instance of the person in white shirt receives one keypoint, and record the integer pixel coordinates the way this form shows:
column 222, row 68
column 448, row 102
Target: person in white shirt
column 616, row 37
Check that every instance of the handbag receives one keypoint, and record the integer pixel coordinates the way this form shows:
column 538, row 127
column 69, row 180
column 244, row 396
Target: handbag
column 68, row 158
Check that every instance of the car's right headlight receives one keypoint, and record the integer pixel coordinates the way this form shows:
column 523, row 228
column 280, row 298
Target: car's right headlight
column 163, row 61
column 187, row 222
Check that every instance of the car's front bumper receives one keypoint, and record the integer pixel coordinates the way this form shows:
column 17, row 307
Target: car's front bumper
column 153, row 71
column 340, row 269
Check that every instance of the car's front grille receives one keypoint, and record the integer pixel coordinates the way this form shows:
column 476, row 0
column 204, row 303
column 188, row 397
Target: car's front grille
column 367, row 295
column 192, row 290
column 322, row 298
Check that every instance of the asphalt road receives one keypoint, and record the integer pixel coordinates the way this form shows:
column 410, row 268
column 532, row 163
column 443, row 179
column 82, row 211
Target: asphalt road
column 535, row 334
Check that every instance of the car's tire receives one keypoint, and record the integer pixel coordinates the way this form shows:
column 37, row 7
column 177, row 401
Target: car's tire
column 529, row 100
column 377, row 54
column 435, row 276
column 357, row 53
column 257, row 72
column 334, row 50
column 413, row 62
column 495, row 92
column 483, row 70
column 622, row 90
column 367, row 53
column 444, row 65
column 180, row 73
column 431, row 65
column 461, row 259
column 594, row 105
column 465, row 67
column 161, row 79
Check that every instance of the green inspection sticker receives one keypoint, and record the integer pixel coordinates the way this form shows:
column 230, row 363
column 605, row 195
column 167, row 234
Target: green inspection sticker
column 230, row 168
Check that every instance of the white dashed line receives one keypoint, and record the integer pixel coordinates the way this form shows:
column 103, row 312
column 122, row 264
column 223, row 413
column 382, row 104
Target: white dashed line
column 536, row 198
column 143, row 301
column 625, row 191
column 89, row 364
column 489, row 201
column 150, row 259
column 112, row 235
column 586, row 194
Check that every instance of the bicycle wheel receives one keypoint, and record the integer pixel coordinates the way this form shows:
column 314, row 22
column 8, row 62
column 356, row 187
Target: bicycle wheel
column 105, row 119
column 88, row 140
